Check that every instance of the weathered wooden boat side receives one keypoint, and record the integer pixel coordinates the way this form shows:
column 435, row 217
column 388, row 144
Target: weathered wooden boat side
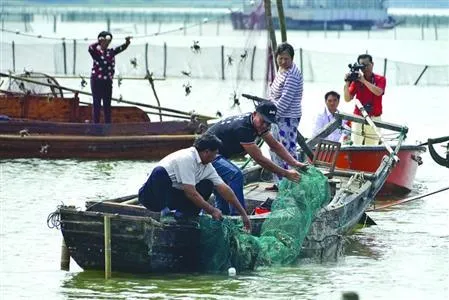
column 52, row 127
column 32, row 127
column 47, row 108
column 92, row 147
column 139, row 244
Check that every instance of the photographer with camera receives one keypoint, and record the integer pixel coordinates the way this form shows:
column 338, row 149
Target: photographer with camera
column 369, row 88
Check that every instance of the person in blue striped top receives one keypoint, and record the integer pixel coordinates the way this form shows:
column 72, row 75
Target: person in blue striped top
column 286, row 93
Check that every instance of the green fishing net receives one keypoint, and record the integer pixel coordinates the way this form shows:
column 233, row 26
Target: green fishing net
column 225, row 244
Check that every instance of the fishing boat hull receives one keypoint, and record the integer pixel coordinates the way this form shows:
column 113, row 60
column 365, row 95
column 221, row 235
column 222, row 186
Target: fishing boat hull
column 92, row 147
column 50, row 127
column 139, row 244
column 367, row 159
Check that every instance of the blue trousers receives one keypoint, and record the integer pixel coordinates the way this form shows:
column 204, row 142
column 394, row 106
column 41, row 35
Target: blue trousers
column 233, row 177
column 101, row 89
column 158, row 193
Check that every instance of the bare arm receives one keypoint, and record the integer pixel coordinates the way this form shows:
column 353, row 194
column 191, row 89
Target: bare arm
column 374, row 89
column 347, row 94
column 226, row 192
column 266, row 163
column 193, row 195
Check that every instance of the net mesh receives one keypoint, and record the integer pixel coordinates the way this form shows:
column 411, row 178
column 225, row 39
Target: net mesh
column 225, row 244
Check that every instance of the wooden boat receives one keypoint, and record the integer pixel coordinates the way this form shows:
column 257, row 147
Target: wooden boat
column 367, row 158
column 55, row 127
column 142, row 243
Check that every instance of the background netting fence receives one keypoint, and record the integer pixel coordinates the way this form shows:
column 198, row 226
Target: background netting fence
column 225, row 244
column 222, row 63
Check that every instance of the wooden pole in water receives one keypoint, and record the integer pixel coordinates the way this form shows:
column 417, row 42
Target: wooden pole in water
column 281, row 16
column 107, row 247
column 65, row 257
column 270, row 27
column 350, row 296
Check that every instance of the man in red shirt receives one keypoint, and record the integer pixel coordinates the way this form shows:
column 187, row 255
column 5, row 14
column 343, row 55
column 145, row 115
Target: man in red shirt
column 369, row 89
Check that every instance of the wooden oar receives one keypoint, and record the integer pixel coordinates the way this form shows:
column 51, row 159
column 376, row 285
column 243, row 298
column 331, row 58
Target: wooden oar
column 379, row 134
column 203, row 117
column 402, row 201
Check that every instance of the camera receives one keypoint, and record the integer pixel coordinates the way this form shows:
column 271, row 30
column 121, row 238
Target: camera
column 354, row 71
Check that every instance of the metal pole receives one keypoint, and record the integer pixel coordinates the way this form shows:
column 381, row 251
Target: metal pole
column 385, row 66
column 107, row 247
column 301, row 60
column 108, row 23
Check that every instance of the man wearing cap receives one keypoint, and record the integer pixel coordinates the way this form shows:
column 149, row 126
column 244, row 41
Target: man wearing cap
column 103, row 73
column 238, row 134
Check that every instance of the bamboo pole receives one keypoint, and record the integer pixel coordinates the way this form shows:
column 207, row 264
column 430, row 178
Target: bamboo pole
column 270, row 28
column 281, row 16
column 65, row 257
column 107, row 247
column 150, row 79
column 203, row 117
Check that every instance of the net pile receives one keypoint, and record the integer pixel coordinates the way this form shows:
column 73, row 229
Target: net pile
column 224, row 244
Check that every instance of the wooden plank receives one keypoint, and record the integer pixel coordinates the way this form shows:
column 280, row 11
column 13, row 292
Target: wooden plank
column 380, row 124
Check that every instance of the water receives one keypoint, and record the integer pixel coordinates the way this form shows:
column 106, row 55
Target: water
column 405, row 256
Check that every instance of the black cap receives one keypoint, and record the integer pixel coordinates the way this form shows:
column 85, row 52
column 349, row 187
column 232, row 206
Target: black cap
column 103, row 34
column 268, row 111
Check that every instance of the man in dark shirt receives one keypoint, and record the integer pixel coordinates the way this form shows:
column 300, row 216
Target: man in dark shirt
column 238, row 134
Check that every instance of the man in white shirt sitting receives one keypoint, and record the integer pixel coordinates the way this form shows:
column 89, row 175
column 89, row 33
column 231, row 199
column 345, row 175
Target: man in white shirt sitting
column 184, row 180
column 332, row 99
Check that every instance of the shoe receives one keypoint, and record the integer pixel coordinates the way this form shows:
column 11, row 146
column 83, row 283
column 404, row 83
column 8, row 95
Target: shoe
column 167, row 216
column 273, row 188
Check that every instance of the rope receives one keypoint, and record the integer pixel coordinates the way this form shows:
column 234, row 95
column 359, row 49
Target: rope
column 40, row 36
column 54, row 219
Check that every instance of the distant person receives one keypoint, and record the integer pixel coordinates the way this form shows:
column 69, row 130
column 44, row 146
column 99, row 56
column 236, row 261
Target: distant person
column 103, row 73
column 238, row 134
column 286, row 93
column 332, row 100
column 369, row 89
column 184, row 180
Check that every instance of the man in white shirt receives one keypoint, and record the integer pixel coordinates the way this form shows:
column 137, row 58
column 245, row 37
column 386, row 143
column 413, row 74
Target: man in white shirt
column 185, row 179
column 332, row 99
